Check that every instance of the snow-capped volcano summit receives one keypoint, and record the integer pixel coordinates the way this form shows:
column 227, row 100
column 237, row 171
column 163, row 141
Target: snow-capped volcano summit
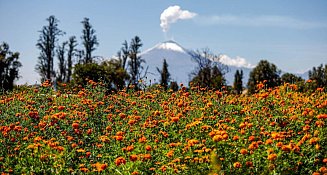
column 169, row 45
column 180, row 63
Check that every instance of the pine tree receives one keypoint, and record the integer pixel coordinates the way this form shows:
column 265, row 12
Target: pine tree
column 238, row 83
column 164, row 74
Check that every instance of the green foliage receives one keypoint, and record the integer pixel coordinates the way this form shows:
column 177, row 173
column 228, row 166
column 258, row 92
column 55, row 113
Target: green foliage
column 191, row 131
column 264, row 72
column 116, row 75
column 238, row 83
column 210, row 72
column 164, row 75
column 108, row 72
column 9, row 67
column 319, row 76
column 46, row 44
column 173, row 86
column 291, row 78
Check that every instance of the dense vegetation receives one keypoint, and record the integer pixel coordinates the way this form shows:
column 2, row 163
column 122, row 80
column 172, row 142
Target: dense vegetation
column 191, row 131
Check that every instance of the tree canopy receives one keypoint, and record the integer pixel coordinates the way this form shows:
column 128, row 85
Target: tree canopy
column 9, row 67
column 265, row 72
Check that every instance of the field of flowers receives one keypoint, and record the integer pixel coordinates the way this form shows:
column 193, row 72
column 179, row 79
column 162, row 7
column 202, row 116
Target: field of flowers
column 193, row 131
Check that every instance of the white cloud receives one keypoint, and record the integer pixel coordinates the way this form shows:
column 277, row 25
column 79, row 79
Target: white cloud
column 172, row 14
column 238, row 61
column 260, row 21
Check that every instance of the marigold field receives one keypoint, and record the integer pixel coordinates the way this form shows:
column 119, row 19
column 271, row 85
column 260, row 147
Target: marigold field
column 191, row 131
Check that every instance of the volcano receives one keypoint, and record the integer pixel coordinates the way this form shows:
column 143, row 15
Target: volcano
column 180, row 64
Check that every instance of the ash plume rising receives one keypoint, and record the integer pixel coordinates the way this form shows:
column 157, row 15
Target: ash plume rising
column 172, row 14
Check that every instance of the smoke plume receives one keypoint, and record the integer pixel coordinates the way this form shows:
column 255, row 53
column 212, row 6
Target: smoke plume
column 172, row 14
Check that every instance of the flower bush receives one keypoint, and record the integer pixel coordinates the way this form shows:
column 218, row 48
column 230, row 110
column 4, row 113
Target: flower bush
column 191, row 131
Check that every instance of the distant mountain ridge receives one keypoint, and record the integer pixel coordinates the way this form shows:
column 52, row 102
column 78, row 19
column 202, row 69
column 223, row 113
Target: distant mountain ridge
column 181, row 65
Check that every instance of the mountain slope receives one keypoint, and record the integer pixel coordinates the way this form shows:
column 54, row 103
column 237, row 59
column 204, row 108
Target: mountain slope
column 180, row 63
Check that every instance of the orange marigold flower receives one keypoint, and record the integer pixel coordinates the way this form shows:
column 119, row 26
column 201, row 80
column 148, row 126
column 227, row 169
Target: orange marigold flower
column 120, row 161
column 244, row 151
column 249, row 164
column 272, row 157
column 287, row 148
column 84, row 170
column 174, row 119
column 279, row 144
column 60, row 108
column 235, row 138
column 146, row 157
column 170, row 153
column 237, row 165
column 133, row 157
column 99, row 166
column 119, row 138
column 135, row 173
column 268, row 142
column 251, row 138
column 75, row 125
column 148, row 148
column 130, row 148
column 323, row 169
column 322, row 116
column 142, row 139
column 217, row 138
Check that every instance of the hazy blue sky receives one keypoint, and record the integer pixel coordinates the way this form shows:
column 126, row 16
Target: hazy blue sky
column 290, row 34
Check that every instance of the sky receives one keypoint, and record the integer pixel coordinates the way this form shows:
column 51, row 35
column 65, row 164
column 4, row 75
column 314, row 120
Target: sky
column 290, row 34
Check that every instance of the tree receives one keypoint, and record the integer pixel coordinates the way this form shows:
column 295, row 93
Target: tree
column 62, row 63
column 46, row 44
column 238, row 83
column 72, row 43
column 319, row 76
column 109, row 72
column 290, row 78
column 9, row 67
column 164, row 75
column 116, row 75
column 264, row 72
column 135, row 62
column 209, row 72
column 124, row 54
column 89, row 40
